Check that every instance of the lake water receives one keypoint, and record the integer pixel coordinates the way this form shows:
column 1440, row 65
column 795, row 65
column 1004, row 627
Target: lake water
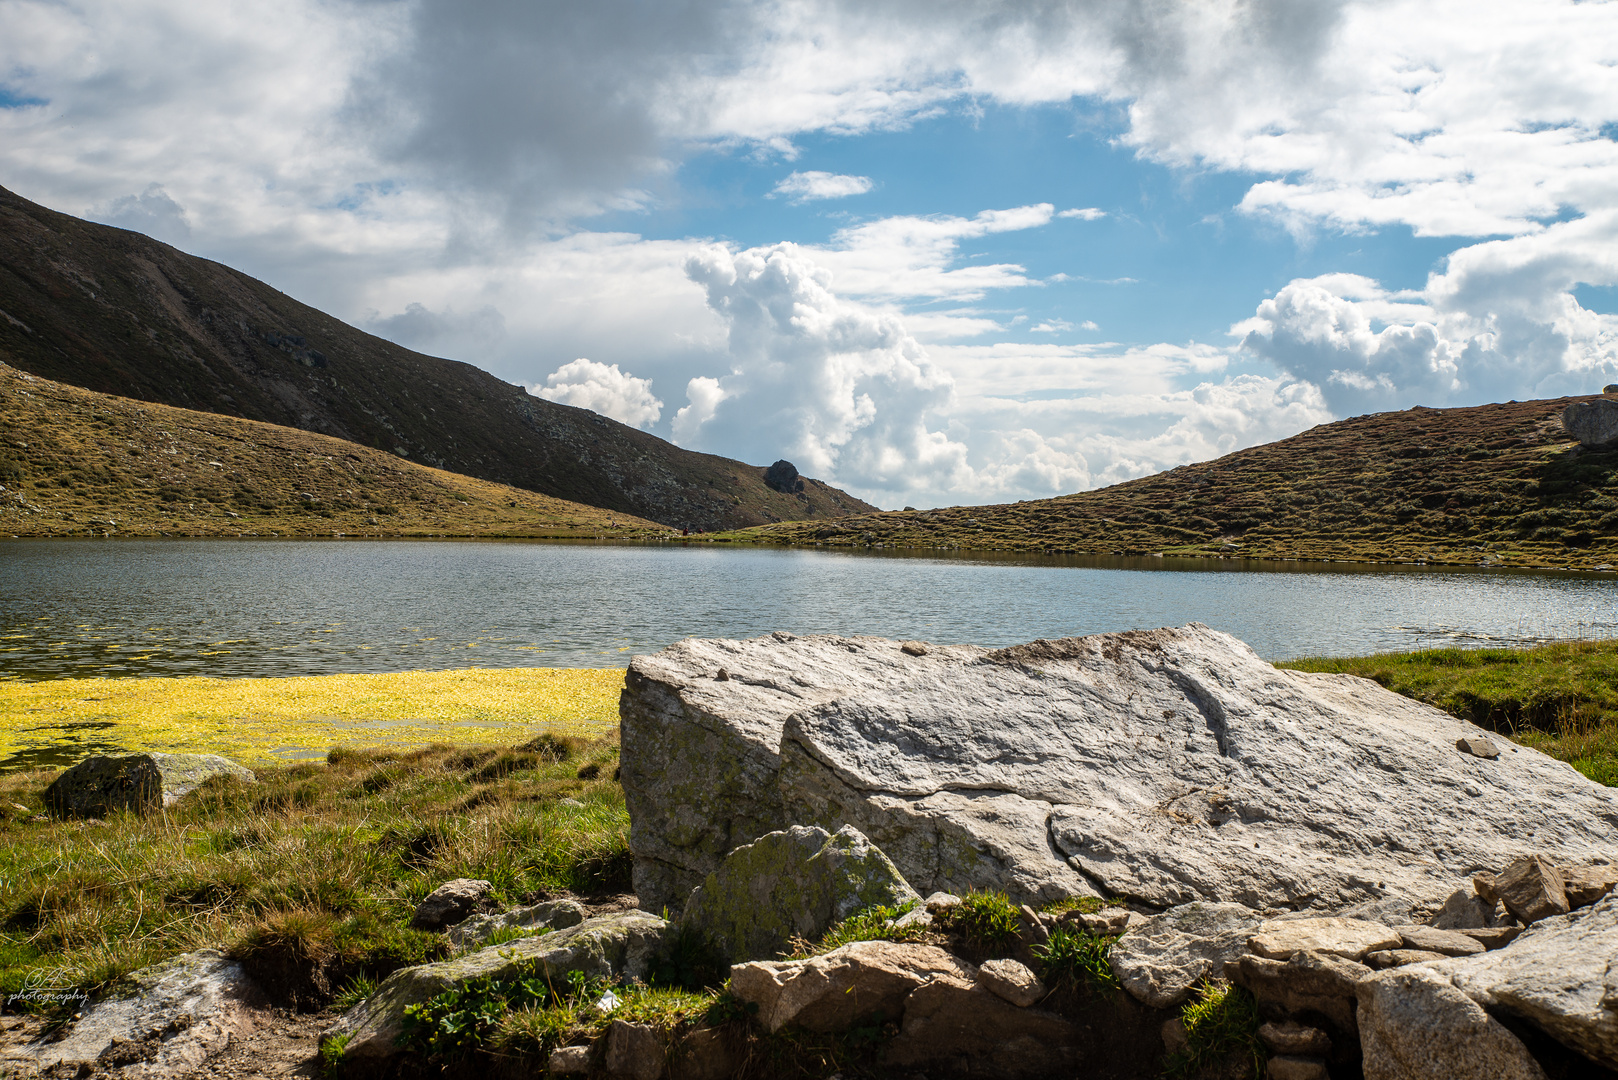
column 242, row 607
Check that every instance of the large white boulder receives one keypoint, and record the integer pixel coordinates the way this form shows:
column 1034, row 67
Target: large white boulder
column 1166, row 766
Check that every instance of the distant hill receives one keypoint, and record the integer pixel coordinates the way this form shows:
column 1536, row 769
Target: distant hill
column 1496, row 484
column 74, row 463
column 119, row 313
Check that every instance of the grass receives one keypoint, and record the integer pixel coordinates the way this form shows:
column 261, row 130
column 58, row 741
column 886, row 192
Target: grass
column 261, row 720
column 1560, row 699
column 310, row 875
column 1221, row 1022
column 988, row 920
column 1073, row 959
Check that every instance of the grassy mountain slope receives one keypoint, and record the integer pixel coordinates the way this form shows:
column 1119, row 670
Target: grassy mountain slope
column 77, row 463
column 1498, row 484
column 120, row 313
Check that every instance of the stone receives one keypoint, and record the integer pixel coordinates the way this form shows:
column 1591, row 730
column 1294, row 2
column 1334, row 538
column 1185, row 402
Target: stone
column 450, row 903
column 829, row 992
column 1468, row 910
column 1294, row 1038
column 1532, row 888
column 624, row 945
column 551, row 915
column 1447, row 942
column 1483, row 885
column 1308, row 985
column 635, row 1051
column 1415, row 1026
column 1593, row 423
column 1176, row 1040
column 1289, row 1067
column 1351, row 939
column 940, row 902
column 571, row 1061
column 955, row 1026
column 103, row 784
column 1160, row 961
column 914, row 648
column 1034, row 932
column 166, row 1020
column 1478, row 746
column 700, row 759
column 783, row 477
column 1011, row 981
column 917, row 916
column 1560, row 974
column 798, row 882
column 1493, row 937
column 1383, row 959
column 1108, row 923
column 1160, row 767
column 708, row 1054
column 1585, row 885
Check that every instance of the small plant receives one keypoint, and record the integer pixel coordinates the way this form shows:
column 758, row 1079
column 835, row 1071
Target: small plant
column 466, row 1017
column 1220, row 1021
column 331, row 1055
column 358, row 989
column 988, row 919
column 871, row 924
column 1073, row 958
column 553, row 747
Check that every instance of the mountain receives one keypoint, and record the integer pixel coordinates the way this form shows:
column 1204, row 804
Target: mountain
column 119, row 313
column 74, row 462
column 1496, row 485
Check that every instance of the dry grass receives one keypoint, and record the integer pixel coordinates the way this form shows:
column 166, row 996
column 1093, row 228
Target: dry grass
column 312, row 873
column 262, row 720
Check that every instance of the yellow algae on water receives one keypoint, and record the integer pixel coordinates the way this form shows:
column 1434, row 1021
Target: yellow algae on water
column 301, row 716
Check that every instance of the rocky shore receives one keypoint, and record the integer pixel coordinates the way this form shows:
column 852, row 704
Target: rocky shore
column 1128, row 855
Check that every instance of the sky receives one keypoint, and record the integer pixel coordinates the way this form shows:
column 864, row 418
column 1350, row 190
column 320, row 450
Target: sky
column 933, row 253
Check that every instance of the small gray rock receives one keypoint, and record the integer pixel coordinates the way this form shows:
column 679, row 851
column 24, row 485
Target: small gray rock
column 1161, row 960
column 103, row 784
column 914, row 648
column 940, row 902
column 1587, row 884
column 1291, row 1067
column 551, row 915
column 1492, row 937
column 570, row 1061
column 450, row 903
column 1012, row 981
column 1447, row 942
column 1383, row 959
column 1478, row 746
column 1280, row 939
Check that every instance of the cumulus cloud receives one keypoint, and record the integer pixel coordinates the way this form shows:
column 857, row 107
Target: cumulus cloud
column 602, row 388
column 807, row 186
column 840, row 389
column 1501, row 320
column 1088, row 213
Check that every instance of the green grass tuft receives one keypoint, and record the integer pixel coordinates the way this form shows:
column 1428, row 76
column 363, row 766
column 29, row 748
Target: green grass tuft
column 989, row 920
column 1220, row 1022
column 1073, row 958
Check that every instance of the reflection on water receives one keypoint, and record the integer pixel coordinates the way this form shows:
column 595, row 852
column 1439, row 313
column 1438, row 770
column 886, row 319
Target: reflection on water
column 240, row 608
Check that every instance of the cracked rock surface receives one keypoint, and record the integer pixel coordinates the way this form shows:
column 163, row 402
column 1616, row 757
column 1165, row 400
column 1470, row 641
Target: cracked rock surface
column 1165, row 766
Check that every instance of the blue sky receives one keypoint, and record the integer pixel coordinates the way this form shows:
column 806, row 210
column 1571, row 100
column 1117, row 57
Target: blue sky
column 934, row 253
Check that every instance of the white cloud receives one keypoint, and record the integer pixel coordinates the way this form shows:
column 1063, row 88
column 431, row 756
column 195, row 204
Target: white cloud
column 152, row 212
column 1052, row 326
column 602, row 388
column 807, row 186
column 1089, row 213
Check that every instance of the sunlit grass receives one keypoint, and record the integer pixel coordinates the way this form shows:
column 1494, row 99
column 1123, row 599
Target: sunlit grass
column 258, row 720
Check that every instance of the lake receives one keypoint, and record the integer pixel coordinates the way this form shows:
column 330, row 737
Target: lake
column 256, row 608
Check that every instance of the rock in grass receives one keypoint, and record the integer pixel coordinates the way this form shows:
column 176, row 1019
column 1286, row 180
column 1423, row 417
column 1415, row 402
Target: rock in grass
column 1594, row 422
column 102, row 784
column 797, row 882
column 1415, row 1026
column 624, row 945
column 168, row 1020
column 450, row 903
column 1163, row 767
column 551, row 915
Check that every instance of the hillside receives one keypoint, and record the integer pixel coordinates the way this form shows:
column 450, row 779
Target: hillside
column 77, row 463
column 120, row 313
column 1496, row 484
